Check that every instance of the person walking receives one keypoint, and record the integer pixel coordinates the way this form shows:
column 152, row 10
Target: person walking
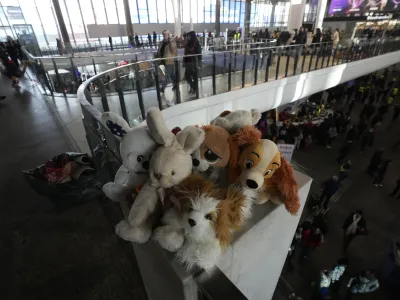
column 344, row 151
column 12, row 52
column 311, row 239
column 344, row 170
column 396, row 189
column 149, row 39
column 336, row 38
column 363, row 284
column 376, row 159
column 317, row 36
column 191, row 60
column 329, row 188
column 353, row 226
column 381, row 171
column 60, row 47
column 154, row 38
column 168, row 51
column 367, row 139
column 337, row 272
column 137, row 40
column 111, row 42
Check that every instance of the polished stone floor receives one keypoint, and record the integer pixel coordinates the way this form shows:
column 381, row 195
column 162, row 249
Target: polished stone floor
column 44, row 254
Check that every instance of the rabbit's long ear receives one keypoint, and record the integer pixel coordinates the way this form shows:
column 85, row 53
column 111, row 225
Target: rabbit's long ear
column 158, row 129
column 255, row 115
column 190, row 138
column 116, row 124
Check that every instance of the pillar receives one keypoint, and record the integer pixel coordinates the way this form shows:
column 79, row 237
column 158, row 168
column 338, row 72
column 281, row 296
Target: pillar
column 272, row 21
column 176, row 6
column 63, row 28
column 129, row 26
column 319, row 18
column 296, row 14
column 247, row 19
column 217, row 18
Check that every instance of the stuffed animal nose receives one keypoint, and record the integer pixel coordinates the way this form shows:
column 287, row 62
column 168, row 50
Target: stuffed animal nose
column 251, row 184
column 146, row 165
column 157, row 176
column 195, row 162
column 192, row 222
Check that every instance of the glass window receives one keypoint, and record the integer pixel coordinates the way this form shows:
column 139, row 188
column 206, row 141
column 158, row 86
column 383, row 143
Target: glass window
column 111, row 11
column 152, row 11
column 170, row 12
column 281, row 14
column 207, row 11
column 242, row 13
column 185, row 17
column 260, row 13
column 162, row 16
column 134, row 11
column 213, row 5
column 231, row 14
column 200, row 11
column 76, row 21
column 142, row 9
column 99, row 11
column 121, row 11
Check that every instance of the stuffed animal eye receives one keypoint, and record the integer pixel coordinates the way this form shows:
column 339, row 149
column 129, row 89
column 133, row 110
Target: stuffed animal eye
column 211, row 157
column 173, row 173
column 140, row 158
column 208, row 217
column 248, row 164
column 268, row 172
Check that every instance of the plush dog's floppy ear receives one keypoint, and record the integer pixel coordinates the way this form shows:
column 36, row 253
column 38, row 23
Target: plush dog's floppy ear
column 190, row 139
column 159, row 130
column 230, row 214
column 233, row 168
column 286, row 182
column 247, row 136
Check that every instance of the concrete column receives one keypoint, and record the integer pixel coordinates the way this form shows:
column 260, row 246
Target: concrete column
column 247, row 19
column 296, row 14
column 129, row 26
column 176, row 6
column 319, row 18
column 217, row 18
column 271, row 24
column 63, row 28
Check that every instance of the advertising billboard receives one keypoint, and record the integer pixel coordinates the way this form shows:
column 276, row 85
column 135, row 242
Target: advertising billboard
column 345, row 7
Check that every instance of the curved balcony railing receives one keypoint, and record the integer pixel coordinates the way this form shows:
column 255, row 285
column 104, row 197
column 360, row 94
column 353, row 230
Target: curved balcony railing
column 62, row 74
column 131, row 89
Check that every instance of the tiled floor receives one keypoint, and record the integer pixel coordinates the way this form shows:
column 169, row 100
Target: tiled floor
column 44, row 254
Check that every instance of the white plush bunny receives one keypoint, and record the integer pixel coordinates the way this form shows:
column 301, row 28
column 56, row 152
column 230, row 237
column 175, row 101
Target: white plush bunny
column 233, row 121
column 169, row 165
column 136, row 148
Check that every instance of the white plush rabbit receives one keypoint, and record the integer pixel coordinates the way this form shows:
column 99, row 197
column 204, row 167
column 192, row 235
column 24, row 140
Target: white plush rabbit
column 136, row 147
column 169, row 165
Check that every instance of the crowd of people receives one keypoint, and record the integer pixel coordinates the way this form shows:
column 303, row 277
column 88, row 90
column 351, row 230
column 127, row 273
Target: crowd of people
column 321, row 124
column 11, row 56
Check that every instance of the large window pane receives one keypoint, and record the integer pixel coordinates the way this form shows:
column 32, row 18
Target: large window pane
column 200, row 11
column 162, row 16
column 152, row 11
column 194, row 11
column 185, row 12
column 143, row 16
column 99, row 11
column 111, row 11
column 76, row 21
column 121, row 11
column 47, row 16
column 134, row 12
column 170, row 12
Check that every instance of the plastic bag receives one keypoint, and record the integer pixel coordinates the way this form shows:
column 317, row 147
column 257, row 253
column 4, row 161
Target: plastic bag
column 67, row 180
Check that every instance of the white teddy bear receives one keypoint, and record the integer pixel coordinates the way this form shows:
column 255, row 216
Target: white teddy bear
column 136, row 148
column 169, row 165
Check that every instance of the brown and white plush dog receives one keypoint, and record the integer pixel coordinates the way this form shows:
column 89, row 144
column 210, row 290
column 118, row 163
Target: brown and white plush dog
column 263, row 168
column 201, row 224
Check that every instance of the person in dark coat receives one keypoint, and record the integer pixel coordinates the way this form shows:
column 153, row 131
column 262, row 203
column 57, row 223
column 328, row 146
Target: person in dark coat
column 376, row 159
column 283, row 38
column 12, row 52
column 329, row 188
column 154, row 38
column 317, row 36
column 191, row 63
column 149, row 38
column 396, row 113
column 353, row 225
column 344, row 151
column 351, row 134
column 381, row 171
column 396, row 189
column 367, row 139
column 111, row 42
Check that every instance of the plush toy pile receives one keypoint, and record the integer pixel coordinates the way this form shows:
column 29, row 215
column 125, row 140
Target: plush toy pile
column 195, row 187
